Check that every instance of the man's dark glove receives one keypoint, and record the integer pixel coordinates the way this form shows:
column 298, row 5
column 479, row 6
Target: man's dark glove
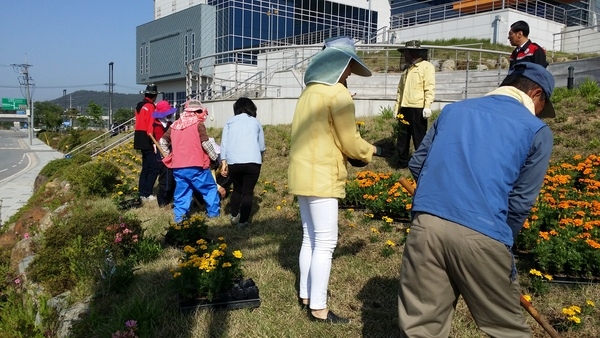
column 357, row 163
column 383, row 151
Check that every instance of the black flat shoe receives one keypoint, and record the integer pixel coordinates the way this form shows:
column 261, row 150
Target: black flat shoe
column 303, row 307
column 332, row 318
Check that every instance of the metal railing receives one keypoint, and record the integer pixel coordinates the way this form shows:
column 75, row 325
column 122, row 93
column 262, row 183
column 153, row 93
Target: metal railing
column 577, row 40
column 108, row 140
column 455, row 10
column 383, row 59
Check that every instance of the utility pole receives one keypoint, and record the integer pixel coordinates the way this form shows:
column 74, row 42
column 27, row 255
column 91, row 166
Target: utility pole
column 110, row 93
column 24, row 80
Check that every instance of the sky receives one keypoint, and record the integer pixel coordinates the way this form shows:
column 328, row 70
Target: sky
column 69, row 45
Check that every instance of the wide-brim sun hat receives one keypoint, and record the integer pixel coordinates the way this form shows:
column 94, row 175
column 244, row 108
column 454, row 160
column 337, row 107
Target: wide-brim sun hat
column 194, row 105
column 542, row 77
column 412, row 45
column 151, row 89
column 328, row 65
column 163, row 109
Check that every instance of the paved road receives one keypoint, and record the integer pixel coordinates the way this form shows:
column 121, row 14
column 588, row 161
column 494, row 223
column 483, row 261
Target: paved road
column 19, row 166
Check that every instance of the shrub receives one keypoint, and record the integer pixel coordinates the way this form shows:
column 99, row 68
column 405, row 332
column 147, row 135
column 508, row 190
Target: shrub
column 65, row 255
column 94, row 179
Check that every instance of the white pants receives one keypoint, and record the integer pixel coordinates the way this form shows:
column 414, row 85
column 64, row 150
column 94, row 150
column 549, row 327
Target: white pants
column 320, row 225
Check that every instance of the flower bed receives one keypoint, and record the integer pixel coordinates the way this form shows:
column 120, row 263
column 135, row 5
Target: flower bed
column 380, row 193
column 562, row 234
column 207, row 269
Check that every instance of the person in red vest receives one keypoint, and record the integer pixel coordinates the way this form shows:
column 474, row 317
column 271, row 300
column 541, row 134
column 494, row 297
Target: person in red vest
column 192, row 153
column 143, row 142
column 525, row 50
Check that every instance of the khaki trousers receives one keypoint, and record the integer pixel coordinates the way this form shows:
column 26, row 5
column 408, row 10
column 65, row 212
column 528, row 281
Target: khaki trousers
column 443, row 260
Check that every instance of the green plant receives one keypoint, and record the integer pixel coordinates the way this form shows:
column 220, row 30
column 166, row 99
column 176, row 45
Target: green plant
column 386, row 113
column 538, row 282
column 388, row 248
column 206, row 269
column 18, row 315
column 187, row 231
column 94, row 179
column 589, row 88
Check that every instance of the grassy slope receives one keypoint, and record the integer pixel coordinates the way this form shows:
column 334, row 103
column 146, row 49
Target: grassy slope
column 363, row 283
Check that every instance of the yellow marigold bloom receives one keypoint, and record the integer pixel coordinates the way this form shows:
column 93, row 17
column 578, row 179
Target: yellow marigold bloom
column 221, row 238
column 568, row 311
column 390, row 243
column 407, row 230
column 527, row 298
column 203, row 247
column 575, row 308
column 202, row 241
column 548, row 277
column 226, row 265
column 374, row 230
column 535, row 272
column 237, row 254
column 590, row 303
column 575, row 319
column 189, row 249
column 223, row 246
column 120, row 193
column 279, row 207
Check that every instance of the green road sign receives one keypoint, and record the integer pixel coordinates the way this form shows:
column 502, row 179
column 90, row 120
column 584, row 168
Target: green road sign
column 14, row 104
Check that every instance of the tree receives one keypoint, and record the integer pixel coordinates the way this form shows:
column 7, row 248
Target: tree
column 95, row 113
column 47, row 115
column 123, row 115
column 84, row 122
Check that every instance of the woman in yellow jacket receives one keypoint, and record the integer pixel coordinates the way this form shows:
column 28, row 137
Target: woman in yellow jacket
column 324, row 137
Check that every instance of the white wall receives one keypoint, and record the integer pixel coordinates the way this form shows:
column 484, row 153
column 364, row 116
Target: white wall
column 480, row 26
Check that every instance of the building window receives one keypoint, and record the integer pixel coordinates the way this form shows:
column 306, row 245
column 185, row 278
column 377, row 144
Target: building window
column 146, row 60
column 141, row 60
column 169, row 97
column 180, row 101
column 193, row 46
column 185, row 48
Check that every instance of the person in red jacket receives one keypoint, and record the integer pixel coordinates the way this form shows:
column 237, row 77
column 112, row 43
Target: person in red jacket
column 525, row 50
column 163, row 118
column 192, row 152
column 143, row 142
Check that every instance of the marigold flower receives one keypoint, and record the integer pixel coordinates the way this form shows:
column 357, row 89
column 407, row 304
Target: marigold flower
column 237, row 254
column 527, row 298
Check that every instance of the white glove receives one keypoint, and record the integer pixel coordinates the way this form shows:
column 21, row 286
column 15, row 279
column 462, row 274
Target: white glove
column 426, row 112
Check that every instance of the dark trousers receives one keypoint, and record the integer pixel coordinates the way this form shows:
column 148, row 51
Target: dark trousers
column 244, row 177
column 416, row 128
column 149, row 172
column 166, row 185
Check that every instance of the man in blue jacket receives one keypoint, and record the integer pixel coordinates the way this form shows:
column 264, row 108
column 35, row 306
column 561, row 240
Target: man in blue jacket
column 479, row 170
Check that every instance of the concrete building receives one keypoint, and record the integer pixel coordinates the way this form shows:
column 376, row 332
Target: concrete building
column 213, row 48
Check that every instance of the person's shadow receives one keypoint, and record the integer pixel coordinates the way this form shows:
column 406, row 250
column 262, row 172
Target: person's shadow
column 379, row 309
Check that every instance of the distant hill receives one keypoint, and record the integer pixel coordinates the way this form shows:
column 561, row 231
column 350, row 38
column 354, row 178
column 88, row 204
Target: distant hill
column 82, row 98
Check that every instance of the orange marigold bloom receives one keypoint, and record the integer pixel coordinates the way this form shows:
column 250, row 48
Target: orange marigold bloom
column 544, row 235
column 593, row 244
